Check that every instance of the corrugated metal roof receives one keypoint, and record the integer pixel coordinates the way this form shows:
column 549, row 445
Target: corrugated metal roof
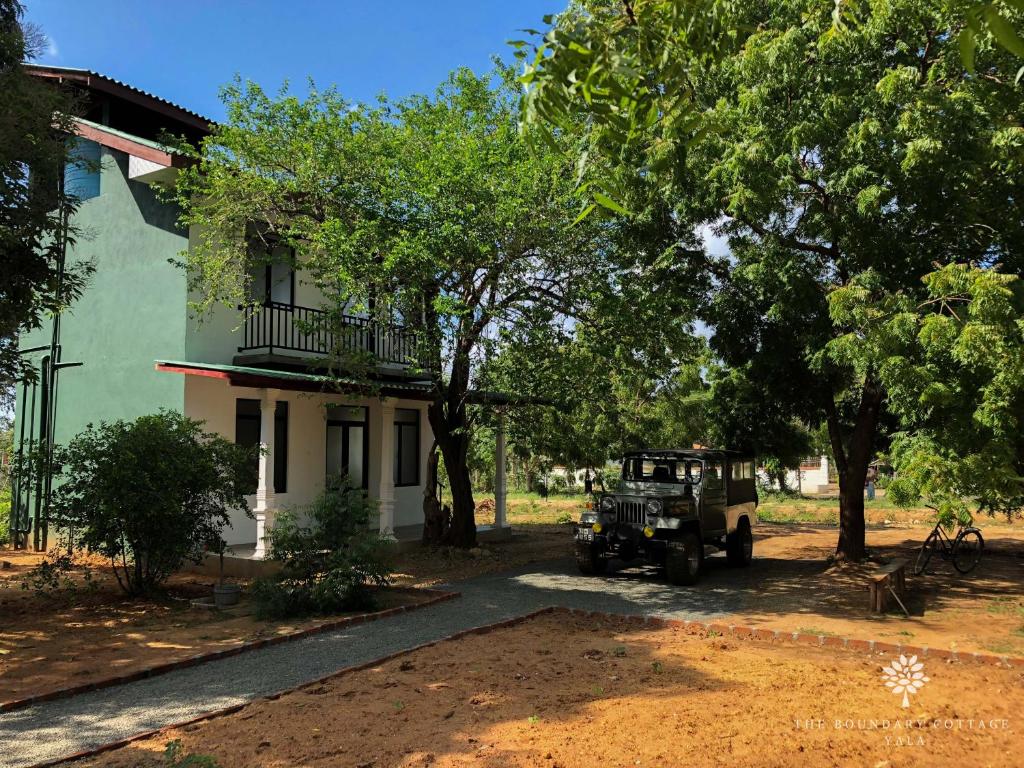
column 131, row 137
column 77, row 71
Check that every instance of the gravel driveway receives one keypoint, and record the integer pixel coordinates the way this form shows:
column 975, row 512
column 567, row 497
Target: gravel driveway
column 51, row 730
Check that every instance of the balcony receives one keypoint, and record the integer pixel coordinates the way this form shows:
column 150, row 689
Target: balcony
column 278, row 327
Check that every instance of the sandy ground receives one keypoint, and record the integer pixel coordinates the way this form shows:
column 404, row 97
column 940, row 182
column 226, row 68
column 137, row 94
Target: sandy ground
column 793, row 587
column 567, row 692
column 67, row 639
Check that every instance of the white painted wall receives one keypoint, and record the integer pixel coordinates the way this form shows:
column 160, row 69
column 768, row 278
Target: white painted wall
column 213, row 401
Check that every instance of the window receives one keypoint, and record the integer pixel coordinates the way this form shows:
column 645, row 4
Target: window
column 247, row 434
column 82, row 172
column 713, row 474
column 688, row 472
column 661, row 470
column 348, row 447
column 407, row 442
column 272, row 278
column 281, row 447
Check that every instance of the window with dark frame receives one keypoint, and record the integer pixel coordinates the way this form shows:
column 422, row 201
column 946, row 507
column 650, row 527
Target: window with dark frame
column 247, row 434
column 281, row 447
column 273, row 277
column 407, row 447
column 348, row 446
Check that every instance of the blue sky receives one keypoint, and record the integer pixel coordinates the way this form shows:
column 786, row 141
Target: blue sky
column 185, row 50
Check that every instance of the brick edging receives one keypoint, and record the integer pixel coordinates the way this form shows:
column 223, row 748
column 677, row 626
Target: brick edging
column 804, row 638
column 479, row 630
column 436, row 596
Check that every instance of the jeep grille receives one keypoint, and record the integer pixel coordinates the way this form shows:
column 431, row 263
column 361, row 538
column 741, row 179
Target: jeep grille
column 632, row 512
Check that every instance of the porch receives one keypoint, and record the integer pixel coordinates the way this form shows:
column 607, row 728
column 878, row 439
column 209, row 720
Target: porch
column 307, row 434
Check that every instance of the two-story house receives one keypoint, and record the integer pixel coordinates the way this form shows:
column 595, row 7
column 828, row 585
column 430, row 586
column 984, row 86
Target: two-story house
column 250, row 375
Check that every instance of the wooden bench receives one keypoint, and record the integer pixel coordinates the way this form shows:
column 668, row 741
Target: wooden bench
column 888, row 581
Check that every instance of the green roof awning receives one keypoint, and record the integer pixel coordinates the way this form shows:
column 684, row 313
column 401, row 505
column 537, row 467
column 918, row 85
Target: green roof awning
column 263, row 378
column 247, row 376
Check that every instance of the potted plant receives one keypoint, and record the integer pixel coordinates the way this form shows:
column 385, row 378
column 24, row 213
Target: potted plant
column 224, row 595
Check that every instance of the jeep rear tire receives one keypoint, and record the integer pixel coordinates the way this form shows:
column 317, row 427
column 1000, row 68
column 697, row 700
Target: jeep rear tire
column 589, row 560
column 683, row 560
column 739, row 545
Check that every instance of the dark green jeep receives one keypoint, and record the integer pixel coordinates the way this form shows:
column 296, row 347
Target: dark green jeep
column 671, row 505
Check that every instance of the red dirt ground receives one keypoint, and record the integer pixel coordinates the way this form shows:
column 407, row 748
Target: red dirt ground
column 567, row 692
column 64, row 640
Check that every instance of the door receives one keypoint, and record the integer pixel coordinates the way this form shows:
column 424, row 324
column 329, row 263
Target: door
column 712, row 498
column 348, row 446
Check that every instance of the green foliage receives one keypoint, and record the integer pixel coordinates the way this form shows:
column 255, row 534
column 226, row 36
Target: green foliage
column 954, row 370
column 841, row 165
column 5, row 514
column 175, row 757
column 329, row 556
column 54, row 574
column 36, row 137
column 148, row 494
column 435, row 206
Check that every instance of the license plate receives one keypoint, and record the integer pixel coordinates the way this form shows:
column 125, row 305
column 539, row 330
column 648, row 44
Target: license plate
column 586, row 534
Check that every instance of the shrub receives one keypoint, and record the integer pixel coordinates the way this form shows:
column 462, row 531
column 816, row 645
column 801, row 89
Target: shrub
column 329, row 556
column 176, row 757
column 148, row 494
column 5, row 516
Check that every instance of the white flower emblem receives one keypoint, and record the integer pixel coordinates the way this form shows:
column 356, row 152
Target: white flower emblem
column 904, row 676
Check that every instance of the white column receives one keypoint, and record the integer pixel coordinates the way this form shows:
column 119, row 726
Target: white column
column 499, row 474
column 265, row 489
column 386, row 461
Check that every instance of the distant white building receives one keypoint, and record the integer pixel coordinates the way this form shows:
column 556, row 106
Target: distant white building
column 811, row 477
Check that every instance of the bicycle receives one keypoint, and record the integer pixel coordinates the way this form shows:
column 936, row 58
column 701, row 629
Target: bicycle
column 964, row 550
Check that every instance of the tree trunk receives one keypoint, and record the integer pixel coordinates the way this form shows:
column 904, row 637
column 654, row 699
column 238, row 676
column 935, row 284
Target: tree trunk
column 452, row 435
column 780, row 479
column 435, row 521
column 852, row 463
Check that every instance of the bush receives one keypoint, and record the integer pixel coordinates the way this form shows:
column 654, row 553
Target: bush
column 148, row 494
column 329, row 556
column 5, row 516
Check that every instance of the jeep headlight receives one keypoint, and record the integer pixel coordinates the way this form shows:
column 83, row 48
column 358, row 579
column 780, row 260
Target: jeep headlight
column 654, row 507
column 607, row 504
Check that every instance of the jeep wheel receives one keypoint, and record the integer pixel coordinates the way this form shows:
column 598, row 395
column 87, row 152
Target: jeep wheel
column 683, row 560
column 589, row 561
column 739, row 545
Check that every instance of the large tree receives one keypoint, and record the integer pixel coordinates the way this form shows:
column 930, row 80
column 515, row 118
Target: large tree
column 826, row 156
column 36, row 137
column 431, row 211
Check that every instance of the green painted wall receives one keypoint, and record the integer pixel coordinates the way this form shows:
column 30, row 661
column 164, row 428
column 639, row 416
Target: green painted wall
column 131, row 313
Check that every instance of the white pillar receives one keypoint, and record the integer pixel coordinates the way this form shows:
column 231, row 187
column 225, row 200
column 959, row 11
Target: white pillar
column 265, row 501
column 500, row 520
column 386, row 460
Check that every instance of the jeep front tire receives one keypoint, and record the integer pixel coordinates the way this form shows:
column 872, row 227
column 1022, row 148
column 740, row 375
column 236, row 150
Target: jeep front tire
column 589, row 560
column 739, row 545
column 683, row 560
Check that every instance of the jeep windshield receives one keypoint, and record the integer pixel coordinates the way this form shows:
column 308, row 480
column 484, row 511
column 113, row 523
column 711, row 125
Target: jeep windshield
column 657, row 469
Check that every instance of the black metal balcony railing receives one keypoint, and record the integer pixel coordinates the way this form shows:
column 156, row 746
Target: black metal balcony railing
column 289, row 327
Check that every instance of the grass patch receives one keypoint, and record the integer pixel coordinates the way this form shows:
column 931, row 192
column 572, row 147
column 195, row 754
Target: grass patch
column 1002, row 648
column 815, row 631
column 1004, row 606
column 799, row 511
